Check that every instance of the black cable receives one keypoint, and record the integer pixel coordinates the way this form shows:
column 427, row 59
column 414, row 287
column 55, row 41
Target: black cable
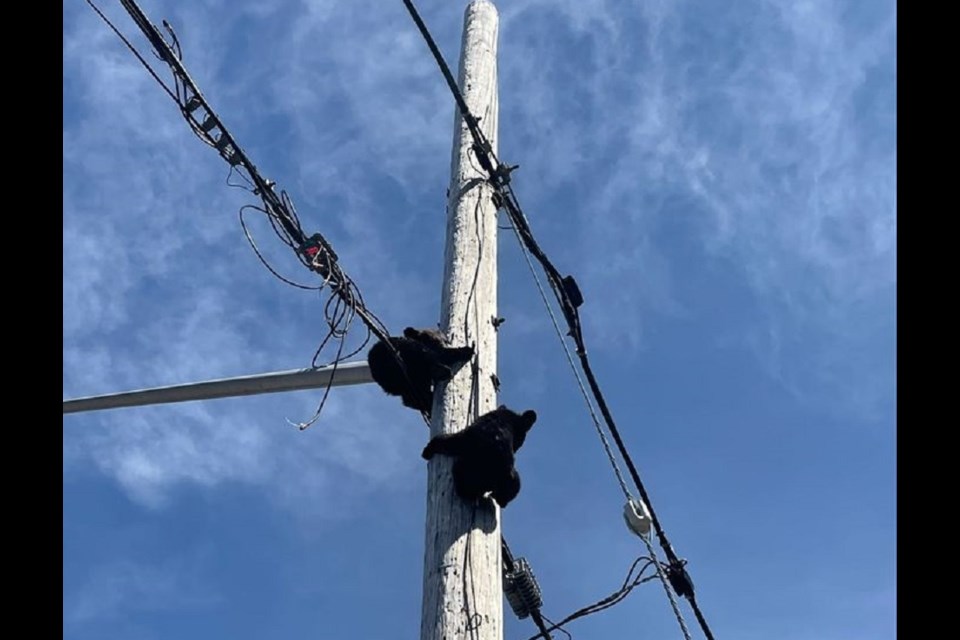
column 474, row 400
column 538, row 620
column 509, row 564
column 629, row 584
column 237, row 185
column 256, row 250
column 147, row 27
column 279, row 208
column 132, row 49
column 557, row 627
column 499, row 177
column 326, row 391
column 174, row 39
column 692, row 599
column 468, row 117
column 212, row 122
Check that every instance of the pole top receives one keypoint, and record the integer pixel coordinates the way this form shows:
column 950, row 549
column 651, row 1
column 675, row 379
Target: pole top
column 486, row 5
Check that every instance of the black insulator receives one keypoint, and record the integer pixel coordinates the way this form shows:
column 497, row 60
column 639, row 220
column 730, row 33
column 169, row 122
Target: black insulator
column 521, row 589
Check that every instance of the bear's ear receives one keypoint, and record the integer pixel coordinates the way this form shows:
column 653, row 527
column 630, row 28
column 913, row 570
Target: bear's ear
column 529, row 417
column 411, row 333
column 501, row 407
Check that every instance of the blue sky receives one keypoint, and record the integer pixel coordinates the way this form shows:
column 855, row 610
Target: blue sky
column 721, row 179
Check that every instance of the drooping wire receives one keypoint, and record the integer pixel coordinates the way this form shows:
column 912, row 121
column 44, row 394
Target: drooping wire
column 279, row 208
column 474, row 400
column 499, row 178
column 246, row 187
column 256, row 250
column 554, row 627
column 629, row 584
column 174, row 39
column 326, row 392
column 339, row 321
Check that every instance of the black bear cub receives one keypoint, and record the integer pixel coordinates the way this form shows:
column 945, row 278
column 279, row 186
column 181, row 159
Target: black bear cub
column 426, row 360
column 484, row 453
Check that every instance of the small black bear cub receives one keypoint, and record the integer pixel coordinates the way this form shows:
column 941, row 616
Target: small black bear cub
column 427, row 360
column 484, row 453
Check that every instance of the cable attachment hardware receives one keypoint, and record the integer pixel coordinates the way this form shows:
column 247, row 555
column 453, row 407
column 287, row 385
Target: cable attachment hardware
column 483, row 157
column 521, row 589
column 637, row 516
column 319, row 253
column 270, row 184
column 501, row 175
column 573, row 291
column 679, row 578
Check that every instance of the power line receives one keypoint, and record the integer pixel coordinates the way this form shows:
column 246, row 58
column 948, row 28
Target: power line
column 569, row 298
column 661, row 574
column 523, row 593
column 555, row 627
column 314, row 252
column 629, row 584
column 521, row 589
column 573, row 368
column 132, row 48
column 603, row 439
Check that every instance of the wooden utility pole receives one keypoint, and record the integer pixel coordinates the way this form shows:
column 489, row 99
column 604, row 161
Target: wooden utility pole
column 462, row 590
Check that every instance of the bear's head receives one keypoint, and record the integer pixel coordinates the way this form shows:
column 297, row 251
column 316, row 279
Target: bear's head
column 521, row 424
column 432, row 338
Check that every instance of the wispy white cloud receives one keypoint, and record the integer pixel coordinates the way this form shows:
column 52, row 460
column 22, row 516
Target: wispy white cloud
column 160, row 289
column 662, row 145
column 766, row 133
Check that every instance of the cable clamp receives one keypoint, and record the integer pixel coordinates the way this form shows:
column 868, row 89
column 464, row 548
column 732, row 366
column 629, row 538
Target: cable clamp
column 637, row 516
column 679, row 578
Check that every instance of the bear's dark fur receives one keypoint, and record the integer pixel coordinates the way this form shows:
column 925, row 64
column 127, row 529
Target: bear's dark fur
column 485, row 454
column 426, row 359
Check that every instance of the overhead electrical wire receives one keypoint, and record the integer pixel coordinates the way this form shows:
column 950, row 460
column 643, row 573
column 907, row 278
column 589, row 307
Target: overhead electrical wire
column 568, row 297
column 603, row 439
column 573, row 367
column 554, row 627
column 629, row 584
column 522, row 591
column 314, row 252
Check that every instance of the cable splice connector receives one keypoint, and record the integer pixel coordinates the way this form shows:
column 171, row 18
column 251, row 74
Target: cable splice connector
column 320, row 254
column 637, row 517
column 521, row 589
column 573, row 291
column 679, row 578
